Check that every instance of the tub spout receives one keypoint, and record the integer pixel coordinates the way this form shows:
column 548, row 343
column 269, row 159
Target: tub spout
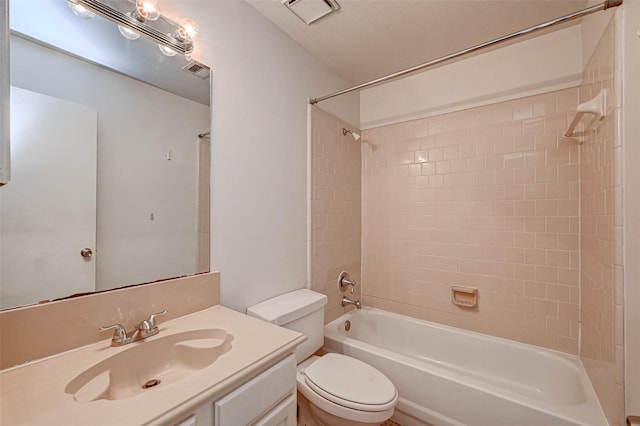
column 346, row 301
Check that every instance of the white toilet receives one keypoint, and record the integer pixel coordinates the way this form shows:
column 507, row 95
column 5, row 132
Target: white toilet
column 335, row 389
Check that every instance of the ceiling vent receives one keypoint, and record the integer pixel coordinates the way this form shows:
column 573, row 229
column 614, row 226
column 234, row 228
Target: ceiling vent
column 311, row 10
column 197, row 69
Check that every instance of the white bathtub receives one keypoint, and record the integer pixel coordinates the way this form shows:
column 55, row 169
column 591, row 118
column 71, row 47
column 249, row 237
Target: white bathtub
column 448, row 376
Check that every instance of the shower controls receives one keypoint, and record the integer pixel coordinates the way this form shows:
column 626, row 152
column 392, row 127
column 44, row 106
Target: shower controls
column 346, row 302
column 344, row 281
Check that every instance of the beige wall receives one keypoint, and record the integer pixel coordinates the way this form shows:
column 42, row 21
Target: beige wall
column 504, row 73
column 487, row 198
column 593, row 27
column 493, row 197
column 37, row 331
column 631, row 136
column 4, row 101
column 335, row 208
column 601, row 273
column 261, row 81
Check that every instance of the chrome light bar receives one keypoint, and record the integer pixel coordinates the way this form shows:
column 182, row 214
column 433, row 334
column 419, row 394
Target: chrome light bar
column 166, row 38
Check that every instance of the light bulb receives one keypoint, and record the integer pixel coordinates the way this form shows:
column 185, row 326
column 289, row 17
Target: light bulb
column 128, row 33
column 81, row 11
column 167, row 51
column 187, row 29
column 148, row 9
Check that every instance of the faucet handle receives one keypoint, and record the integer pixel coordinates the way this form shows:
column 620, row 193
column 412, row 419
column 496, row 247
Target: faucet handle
column 119, row 334
column 152, row 318
column 344, row 281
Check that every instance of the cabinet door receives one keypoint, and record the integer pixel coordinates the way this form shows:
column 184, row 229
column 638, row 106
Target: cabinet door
column 201, row 416
column 260, row 395
column 282, row 415
column 189, row 421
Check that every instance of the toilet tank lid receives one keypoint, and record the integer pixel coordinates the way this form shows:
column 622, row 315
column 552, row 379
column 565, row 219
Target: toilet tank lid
column 288, row 307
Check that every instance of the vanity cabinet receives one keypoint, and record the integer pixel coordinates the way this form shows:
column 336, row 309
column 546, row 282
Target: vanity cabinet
column 253, row 383
column 269, row 399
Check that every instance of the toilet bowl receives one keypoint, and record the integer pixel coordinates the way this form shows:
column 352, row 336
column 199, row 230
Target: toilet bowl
column 334, row 389
column 344, row 391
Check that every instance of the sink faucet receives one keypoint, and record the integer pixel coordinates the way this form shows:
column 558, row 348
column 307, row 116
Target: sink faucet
column 346, row 301
column 146, row 328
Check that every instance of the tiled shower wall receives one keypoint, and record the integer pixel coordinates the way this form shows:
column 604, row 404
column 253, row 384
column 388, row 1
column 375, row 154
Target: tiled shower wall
column 484, row 198
column 492, row 198
column 335, row 208
column 601, row 274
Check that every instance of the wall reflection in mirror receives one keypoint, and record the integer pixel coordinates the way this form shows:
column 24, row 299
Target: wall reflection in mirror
column 110, row 180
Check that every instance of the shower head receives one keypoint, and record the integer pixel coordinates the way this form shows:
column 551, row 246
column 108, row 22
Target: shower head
column 356, row 136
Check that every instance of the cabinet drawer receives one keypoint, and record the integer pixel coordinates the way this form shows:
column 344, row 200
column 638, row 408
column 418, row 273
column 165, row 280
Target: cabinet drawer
column 246, row 404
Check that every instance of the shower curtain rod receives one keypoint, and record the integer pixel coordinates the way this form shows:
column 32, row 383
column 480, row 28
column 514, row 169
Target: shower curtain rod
column 575, row 15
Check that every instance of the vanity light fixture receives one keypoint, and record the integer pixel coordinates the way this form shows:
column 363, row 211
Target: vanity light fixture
column 128, row 33
column 167, row 51
column 81, row 11
column 145, row 10
column 144, row 20
column 186, row 31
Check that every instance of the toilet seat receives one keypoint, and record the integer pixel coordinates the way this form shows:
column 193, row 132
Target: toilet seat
column 351, row 383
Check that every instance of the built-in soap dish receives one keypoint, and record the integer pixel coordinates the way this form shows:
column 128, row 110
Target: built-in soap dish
column 466, row 297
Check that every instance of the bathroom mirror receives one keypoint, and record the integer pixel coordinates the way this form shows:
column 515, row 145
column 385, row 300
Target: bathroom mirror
column 109, row 159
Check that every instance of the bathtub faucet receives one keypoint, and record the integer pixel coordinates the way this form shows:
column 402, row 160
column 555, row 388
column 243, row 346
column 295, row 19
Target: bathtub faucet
column 346, row 301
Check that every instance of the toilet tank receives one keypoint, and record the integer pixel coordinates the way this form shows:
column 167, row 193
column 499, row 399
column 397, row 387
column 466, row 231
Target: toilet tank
column 300, row 310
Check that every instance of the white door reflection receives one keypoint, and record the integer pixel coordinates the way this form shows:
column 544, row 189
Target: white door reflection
column 48, row 212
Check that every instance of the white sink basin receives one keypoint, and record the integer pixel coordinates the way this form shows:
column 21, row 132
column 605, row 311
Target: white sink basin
column 149, row 365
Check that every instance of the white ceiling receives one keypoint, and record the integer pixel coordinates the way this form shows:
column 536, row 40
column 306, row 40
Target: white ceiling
column 367, row 39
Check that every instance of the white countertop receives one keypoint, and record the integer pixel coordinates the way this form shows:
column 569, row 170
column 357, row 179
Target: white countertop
column 34, row 393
